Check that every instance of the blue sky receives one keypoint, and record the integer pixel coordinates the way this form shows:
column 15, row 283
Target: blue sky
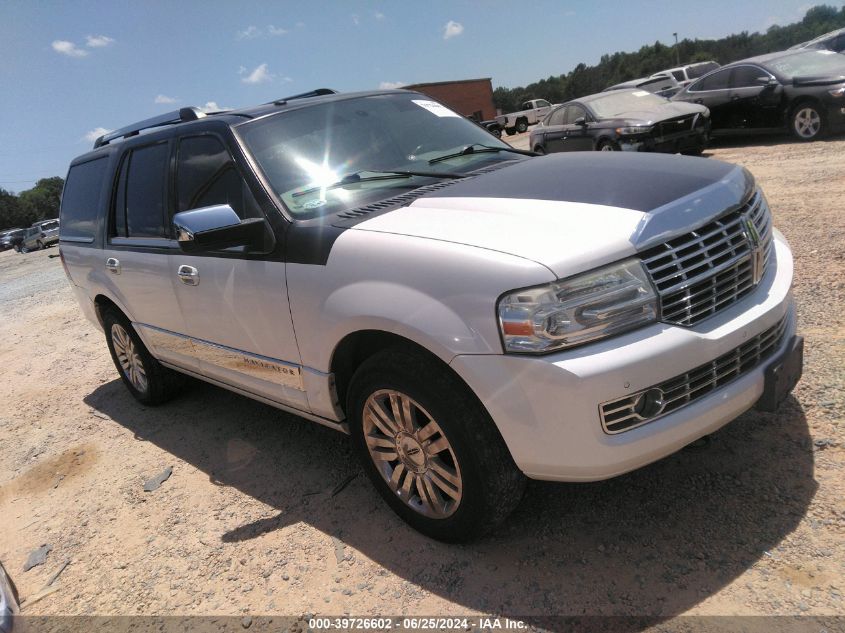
column 70, row 68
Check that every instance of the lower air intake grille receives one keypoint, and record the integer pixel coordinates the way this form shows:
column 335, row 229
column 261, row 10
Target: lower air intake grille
column 650, row 404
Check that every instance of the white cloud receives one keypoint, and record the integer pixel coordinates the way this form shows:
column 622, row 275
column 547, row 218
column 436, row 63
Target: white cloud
column 211, row 106
column 300, row 25
column 356, row 20
column 94, row 134
column 379, row 15
column 248, row 33
column 165, row 99
column 452, row 29
column 68, row 48
column 258, row 76
column 276, row 30
column 98, row 41
column 390, row 85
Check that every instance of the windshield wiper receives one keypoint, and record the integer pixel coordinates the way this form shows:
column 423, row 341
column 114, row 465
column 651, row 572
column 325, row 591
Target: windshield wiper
column 478, row 148
column 356, row 177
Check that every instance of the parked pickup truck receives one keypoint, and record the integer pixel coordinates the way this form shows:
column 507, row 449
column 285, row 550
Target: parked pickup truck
column 532, row 112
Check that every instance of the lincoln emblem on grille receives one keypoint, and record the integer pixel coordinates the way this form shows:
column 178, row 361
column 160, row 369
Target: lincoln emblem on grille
column 755, row 245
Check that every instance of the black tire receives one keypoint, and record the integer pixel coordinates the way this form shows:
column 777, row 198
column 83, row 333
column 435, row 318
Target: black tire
column 540, row 150
column 492, row 485
column 162, row 384
column 522, row 126
column 816, row 125
column 607, row 146
column 698, row 150
column 510, row 131
column 497, row 132
column 24, row 249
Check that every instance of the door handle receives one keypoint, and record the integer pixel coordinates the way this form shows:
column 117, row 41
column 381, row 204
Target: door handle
column 113, row 265
column 189, row 275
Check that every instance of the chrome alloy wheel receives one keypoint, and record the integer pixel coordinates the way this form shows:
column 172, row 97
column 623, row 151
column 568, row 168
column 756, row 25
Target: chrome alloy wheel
column 807, row 122
column 412, row 454
column 127, row 355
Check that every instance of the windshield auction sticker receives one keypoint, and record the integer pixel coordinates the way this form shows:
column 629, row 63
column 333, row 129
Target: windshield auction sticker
column 435, row 108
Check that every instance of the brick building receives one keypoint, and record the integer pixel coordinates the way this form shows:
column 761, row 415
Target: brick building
column 470, row 97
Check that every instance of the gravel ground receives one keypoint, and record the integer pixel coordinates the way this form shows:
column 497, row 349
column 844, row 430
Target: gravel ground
column 247, row 523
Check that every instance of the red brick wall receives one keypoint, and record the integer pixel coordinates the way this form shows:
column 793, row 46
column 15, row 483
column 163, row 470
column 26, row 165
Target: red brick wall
column 464, row 97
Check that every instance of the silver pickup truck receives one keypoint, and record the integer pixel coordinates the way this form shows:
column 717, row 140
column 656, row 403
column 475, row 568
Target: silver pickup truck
column 532, row 113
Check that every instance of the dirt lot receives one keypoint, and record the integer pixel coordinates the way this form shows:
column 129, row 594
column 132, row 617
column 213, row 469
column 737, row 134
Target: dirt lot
column 247, row 523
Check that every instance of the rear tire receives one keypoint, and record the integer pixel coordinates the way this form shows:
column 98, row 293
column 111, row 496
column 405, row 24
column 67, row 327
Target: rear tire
column 807, row 122
column 522, row 126
column 430, row 448
column 149, row 382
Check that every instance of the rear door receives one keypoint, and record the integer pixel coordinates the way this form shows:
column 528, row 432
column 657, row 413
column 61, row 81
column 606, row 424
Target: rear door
column 137, row 259
column 234, row 302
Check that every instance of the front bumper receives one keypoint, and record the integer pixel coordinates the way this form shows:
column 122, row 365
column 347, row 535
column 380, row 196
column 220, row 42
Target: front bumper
column 546, row 407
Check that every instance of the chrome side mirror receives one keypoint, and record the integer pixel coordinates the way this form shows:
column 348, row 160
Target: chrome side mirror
column 216, row 227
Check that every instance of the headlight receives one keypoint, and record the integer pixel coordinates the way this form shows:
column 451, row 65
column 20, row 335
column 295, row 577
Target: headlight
column 634, row 129
column 838, row 92
column 577, row 310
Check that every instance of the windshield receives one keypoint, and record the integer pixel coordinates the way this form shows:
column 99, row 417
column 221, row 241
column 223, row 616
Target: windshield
column 809, row 63
column 617, row 103
column 304, row 152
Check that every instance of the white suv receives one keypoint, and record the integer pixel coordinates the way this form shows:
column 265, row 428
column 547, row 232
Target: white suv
column 471, row 316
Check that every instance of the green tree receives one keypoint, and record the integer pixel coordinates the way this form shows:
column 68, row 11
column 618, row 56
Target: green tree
column 10, row 210
column 42, row 201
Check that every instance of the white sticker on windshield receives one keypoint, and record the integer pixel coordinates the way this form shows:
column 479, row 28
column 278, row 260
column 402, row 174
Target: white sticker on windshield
column 640, row 93
column 435, row 108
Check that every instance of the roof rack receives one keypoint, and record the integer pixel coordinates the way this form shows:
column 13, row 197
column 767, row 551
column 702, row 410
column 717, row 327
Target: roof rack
column 179, row 116
column 317, row 92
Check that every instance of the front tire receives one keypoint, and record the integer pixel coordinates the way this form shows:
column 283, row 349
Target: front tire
column 607, row 146
column 510, row 131
column 807, row 122
column 24, row 249
column 430, row 448
column 149, row 382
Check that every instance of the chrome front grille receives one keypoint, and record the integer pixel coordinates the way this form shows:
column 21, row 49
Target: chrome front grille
column 627, row 413
column 704, row 271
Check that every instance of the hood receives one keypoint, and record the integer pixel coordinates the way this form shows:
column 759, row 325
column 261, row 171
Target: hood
column 668, row 110
column 823, row 80
column 572, row 212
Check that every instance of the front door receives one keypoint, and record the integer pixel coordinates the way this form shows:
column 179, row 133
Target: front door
column 234, row 303
column 137, row 257
column 755, row 104
column 713, row 91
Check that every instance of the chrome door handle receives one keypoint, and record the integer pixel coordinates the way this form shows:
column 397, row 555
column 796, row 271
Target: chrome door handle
column 113, row 265
column 189, row 275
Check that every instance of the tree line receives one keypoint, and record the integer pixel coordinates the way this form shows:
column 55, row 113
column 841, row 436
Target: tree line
column 618, row 67
column 39, row 203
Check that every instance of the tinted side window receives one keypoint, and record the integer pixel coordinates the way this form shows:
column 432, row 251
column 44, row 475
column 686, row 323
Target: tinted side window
column 542, row 103
column 139, row 199
column 206, row 175
column 556, row 117
column 573, row 112
column 746, row 76
column 679, row 75
column 81, row 199
column 716, row 81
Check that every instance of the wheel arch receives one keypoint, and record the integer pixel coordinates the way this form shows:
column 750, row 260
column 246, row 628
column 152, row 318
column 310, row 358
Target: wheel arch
column 801, row 100
column 102, row 303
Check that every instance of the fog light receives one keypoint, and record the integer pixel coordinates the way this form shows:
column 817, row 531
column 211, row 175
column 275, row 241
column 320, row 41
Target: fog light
column 649, row 404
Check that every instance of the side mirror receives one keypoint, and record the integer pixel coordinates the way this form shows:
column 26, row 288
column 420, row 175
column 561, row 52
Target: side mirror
column 582, row 121
column 766, row 81
column 217, row 227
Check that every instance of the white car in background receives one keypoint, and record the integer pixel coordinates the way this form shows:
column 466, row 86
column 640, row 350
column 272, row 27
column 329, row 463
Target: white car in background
column 685, row 75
